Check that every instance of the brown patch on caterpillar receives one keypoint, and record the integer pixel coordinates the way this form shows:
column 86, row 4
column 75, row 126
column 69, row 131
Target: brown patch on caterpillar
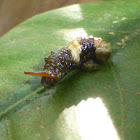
column 48, row 82
column 87, row 53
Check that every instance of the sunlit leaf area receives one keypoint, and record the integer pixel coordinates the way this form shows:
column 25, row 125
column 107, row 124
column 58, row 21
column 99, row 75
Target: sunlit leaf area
column 100, row 105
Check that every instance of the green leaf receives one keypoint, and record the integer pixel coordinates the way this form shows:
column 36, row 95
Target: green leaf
column 26, row 113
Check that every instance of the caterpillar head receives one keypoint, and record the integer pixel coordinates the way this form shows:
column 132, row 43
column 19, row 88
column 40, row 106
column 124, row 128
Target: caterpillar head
column 103, row 50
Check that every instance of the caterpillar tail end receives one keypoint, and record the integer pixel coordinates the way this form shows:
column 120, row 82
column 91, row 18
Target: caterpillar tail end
column 42, row 74
column 39, row 73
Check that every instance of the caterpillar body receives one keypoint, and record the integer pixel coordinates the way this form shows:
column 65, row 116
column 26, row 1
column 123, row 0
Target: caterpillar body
column 88, row 53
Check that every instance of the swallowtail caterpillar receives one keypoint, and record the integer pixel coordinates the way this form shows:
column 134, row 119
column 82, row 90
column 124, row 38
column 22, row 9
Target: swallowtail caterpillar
column 88, row 53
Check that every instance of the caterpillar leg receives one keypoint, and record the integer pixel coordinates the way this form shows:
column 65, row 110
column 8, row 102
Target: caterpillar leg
column 90, row 66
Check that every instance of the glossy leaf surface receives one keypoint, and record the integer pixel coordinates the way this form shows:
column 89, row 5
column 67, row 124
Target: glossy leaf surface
column 26, row 113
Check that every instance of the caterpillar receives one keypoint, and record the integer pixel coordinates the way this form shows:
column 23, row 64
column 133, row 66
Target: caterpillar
column 88, row 53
